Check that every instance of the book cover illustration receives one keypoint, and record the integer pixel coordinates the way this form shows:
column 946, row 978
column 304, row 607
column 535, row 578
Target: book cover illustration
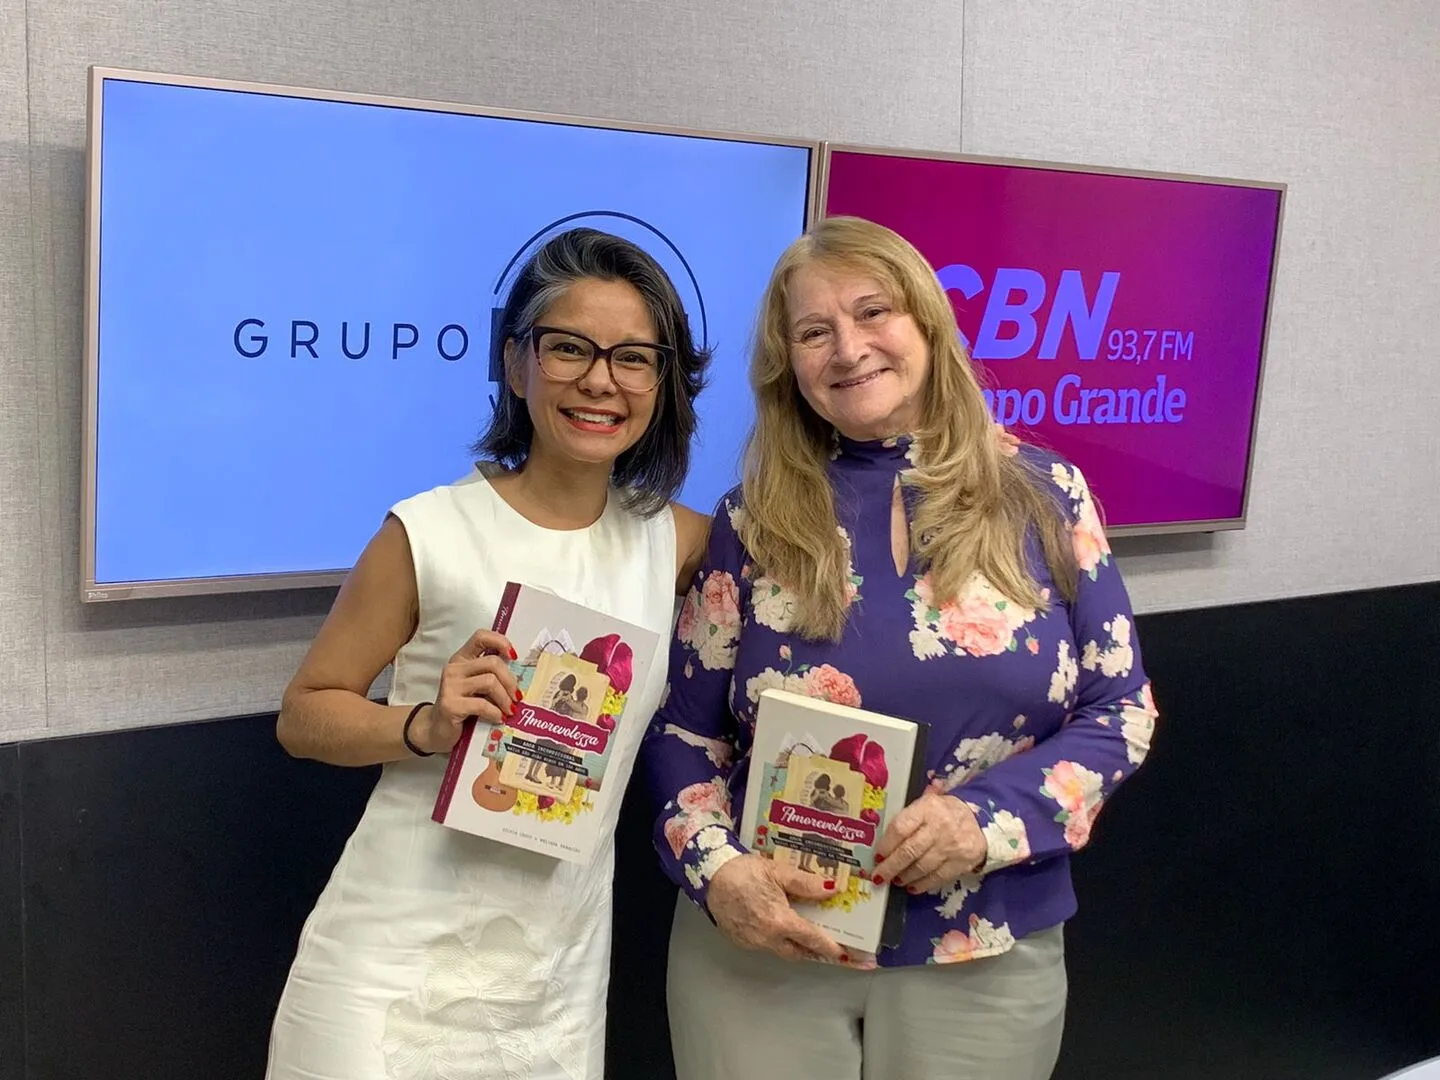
column 825, row 781
column 537, row 779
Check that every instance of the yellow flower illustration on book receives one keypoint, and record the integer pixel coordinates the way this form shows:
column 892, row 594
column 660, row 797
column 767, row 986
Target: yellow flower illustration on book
column 613, row 705
column 548, row 808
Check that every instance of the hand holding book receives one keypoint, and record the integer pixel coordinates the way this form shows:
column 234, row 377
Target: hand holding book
column 930, row 843
column 477, row 682
column 749, row 898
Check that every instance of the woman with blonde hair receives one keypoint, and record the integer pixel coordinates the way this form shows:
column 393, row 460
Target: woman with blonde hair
column 886, row 550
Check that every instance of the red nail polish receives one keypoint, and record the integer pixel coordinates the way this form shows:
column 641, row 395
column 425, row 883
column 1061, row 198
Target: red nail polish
column 519, row 695
column 513, row 654
column 879, row 859
column 829, row 885
column 879, row 880
column 844, row 958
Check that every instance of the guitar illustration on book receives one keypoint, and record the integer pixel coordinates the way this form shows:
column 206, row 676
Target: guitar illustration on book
column 490, row 793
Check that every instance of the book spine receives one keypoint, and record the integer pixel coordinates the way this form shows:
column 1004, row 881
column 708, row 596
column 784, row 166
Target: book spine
column 452, row 773
column 507, row 607
column 892, row 929
column 918, row 779
column 457, row 755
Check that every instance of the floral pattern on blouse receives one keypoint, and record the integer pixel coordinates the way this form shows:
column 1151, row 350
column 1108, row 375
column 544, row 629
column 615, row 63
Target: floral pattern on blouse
column 1035, row 716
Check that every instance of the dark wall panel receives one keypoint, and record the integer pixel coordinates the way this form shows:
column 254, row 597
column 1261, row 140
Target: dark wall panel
column 166, row 876
column 1260, row 898
column 12, row 955
column 1258, row 901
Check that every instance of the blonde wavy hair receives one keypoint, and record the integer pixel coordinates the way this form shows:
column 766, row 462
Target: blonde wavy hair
column 977, row 503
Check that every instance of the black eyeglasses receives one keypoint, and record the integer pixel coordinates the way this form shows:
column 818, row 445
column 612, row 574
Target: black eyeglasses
column 566, row 356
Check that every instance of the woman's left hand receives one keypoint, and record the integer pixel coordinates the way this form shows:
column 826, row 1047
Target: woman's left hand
column 930, row 844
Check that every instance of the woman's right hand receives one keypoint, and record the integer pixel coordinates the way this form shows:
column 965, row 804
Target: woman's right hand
column 475, row 682
column 749, row 898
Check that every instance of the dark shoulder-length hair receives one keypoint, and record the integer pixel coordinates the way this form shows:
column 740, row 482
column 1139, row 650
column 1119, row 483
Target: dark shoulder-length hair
column 650, row 473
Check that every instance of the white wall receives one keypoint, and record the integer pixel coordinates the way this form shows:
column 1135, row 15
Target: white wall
column 1341, row 102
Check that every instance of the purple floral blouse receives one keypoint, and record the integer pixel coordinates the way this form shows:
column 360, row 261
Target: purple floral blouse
column 1035, row 716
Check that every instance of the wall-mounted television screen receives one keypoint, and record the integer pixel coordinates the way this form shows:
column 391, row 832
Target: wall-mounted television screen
column 1118, row 318
column 289, row 298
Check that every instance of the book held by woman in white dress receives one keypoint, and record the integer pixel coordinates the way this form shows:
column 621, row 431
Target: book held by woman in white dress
column 825, row 780
column 537, row 780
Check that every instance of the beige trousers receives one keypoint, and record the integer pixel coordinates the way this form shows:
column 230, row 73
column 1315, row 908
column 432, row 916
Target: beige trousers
column 742, row 1015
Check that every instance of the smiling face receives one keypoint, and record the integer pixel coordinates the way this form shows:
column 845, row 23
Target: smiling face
column 590, row 420
column 860, row 363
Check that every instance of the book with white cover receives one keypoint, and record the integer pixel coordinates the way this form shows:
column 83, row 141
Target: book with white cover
column 538, row 780
column 825, row 781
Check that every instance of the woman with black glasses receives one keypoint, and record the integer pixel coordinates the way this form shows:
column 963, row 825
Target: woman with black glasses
column 433, row 952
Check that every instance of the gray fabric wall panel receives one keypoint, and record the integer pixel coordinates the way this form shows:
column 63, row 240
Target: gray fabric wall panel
column 1342, row 102
column 22, row 621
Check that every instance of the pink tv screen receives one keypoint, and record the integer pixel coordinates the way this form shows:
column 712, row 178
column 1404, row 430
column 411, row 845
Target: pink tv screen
column 1118, row 320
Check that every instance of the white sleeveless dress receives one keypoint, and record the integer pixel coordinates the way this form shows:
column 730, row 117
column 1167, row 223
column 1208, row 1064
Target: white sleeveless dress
column 436, row 955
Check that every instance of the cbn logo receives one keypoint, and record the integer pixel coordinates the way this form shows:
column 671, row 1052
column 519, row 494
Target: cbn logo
column 1014, row 300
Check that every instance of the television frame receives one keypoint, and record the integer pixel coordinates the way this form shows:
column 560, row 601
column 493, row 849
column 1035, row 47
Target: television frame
column 1160, row 528
column 92, row 591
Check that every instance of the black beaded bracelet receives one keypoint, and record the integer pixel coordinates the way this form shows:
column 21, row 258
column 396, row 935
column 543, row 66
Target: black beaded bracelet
column 405, row 731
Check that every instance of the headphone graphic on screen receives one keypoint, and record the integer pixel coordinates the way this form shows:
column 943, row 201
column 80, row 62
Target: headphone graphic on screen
column 501, row 291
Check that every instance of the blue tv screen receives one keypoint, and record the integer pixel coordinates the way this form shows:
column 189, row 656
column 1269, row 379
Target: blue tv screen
column 290, row 305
